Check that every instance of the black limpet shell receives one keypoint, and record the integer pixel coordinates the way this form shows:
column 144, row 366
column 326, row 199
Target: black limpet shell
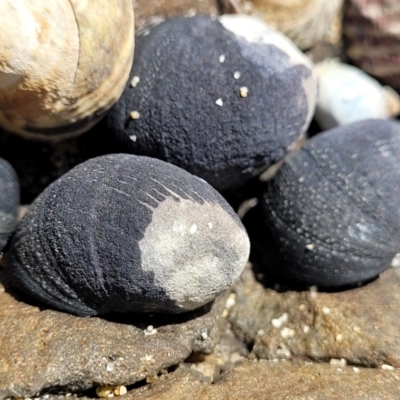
column 9, row 201
column 333, row 209
column 222, row 98
column 127, row 233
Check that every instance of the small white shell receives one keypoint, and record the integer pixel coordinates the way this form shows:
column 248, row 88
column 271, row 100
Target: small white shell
column 347, row 94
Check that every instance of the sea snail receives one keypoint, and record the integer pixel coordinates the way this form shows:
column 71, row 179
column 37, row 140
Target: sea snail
column 127, row 233
column 221, row 98
column 304, row 21
column 62, row 63
column 332, row 211
column 346, row 94
column 9, row 201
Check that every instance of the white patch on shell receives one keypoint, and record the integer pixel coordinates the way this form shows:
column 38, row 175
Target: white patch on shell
column 256, row 31
column 193, row 268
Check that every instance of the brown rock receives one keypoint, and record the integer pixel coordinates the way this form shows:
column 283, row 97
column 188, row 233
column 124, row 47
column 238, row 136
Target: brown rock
column 45, row 349
column 153, row 12
column 360, row 325
column 283, row 380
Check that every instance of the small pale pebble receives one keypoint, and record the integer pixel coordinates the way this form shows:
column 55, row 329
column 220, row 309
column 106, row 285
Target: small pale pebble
column 313, row 292
column 260, row 332
column 231, row 301
column 244, row 91
column 151, row 379
column 110, row 367
column 224, row 313
column 193, row 229
column 326, row 310
column 236, row 75
column 339, row 369
column 105, row 391
column 306, row 329
column 356, row 329
column 339, row 337
column 336, row 362
column 396, row 261
column 134, row 114
column 287, row 333
column 133, row 138
column 222, row 58
column 387, row 367
column 150, row 331
column 120, row 390
column 235, row 357
column 219, row 102
column 191, row 12
column 279, row 322
column 310, row 247
column 204, row 335
column 356, row 370
column 135, row 80
column 302, row 307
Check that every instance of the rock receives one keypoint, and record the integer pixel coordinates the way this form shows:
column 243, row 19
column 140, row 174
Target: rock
column 127, row 233
column 268, row 380
column 148, row 13
column 43, row 349
column 284, row 380
column 358, row 325
column 223, row 99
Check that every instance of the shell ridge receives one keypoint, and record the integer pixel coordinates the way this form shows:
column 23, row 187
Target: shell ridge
column 79, row 45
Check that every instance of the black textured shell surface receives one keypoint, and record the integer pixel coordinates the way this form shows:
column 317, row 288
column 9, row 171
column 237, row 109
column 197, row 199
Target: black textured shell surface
column 127, row 233
column 333, row 209
column 218, row 104
column 9, row 201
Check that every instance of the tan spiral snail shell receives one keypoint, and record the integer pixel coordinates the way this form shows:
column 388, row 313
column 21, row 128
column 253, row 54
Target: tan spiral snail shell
column 63, row 64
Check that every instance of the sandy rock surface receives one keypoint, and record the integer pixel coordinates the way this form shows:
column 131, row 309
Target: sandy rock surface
column 43, row 349
column 359, row 325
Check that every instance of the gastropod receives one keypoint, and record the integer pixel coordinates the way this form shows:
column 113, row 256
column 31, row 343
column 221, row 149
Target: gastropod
column 222, row 98
column 332, row 213
column 347, row 94
column 306, row 22
column 9, row 201
column 63, row 64
column 127, row 233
